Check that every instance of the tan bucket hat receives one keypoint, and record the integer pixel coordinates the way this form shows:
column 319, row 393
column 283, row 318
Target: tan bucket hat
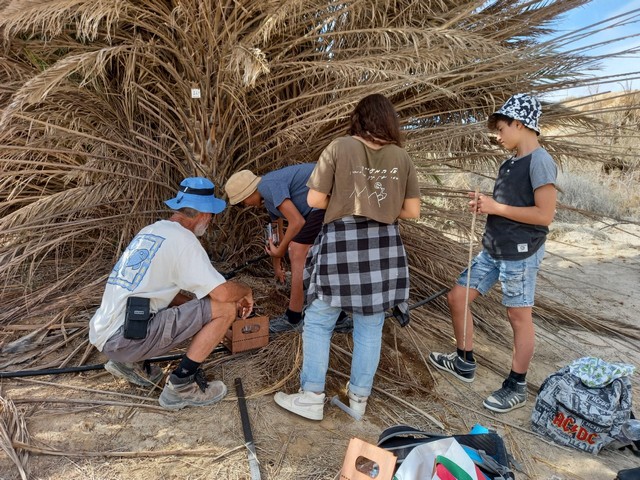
column 240, row 185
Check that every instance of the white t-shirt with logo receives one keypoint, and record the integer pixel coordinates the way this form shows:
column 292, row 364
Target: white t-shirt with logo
column 162, row 259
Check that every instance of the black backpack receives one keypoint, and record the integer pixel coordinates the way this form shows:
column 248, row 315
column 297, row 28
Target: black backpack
column 487, row 450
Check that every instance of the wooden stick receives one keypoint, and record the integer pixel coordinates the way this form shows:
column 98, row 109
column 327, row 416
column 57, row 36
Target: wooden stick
column 89, row 402
column 466, row 293
column 85, row 389
column 146, row 453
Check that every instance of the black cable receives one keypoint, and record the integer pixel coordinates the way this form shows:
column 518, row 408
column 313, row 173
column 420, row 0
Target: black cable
column 233, row 272
column 100, row 366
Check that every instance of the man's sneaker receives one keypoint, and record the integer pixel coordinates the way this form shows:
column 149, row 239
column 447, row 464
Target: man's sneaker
column 357, row 403
column 512, row 395
column 344, row 324
column 306, row 404
column 282, row 324
column 452, row 363
column 191, row 391
column 135, row 373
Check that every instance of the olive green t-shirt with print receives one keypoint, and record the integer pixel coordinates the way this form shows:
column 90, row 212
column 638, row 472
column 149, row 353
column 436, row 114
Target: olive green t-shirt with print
column 364, row 181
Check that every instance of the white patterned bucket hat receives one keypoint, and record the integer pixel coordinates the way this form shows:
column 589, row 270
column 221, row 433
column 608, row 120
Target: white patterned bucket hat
column 521, row 107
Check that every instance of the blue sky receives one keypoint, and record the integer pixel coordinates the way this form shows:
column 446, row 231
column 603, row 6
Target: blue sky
column 594, row 12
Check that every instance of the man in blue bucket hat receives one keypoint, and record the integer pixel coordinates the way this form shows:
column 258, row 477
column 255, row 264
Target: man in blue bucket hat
column 143, row 313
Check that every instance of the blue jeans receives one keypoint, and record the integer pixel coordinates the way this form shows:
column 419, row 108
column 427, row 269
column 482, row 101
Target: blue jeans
column 319, row 321
column 517, row 277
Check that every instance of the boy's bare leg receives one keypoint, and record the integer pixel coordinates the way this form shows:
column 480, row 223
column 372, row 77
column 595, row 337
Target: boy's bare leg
column 297, row 256
column 456, row 299
column 521, row 320
column 202, row 344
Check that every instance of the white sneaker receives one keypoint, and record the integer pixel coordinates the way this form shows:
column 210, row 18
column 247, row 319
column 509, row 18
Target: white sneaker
column 306, row 404
column 357, row 403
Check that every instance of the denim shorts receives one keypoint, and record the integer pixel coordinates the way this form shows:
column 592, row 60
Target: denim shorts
column 517, row 277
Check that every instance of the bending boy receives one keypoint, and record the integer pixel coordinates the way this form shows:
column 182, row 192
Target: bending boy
column 283, row 193
column 518, row 216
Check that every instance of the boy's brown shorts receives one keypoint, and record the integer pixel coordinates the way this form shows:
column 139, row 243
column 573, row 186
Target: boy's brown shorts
column 167, row 329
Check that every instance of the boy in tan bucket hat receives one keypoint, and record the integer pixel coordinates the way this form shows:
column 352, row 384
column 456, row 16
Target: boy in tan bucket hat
column 283, row 193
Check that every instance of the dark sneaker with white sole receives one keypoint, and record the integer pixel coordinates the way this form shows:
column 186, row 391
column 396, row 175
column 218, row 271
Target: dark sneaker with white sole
column 344, row 324
column 191, row 391
column 512, row 395
column 136, row 373
column 452, row 363
column 282, row 324
column 306, row 404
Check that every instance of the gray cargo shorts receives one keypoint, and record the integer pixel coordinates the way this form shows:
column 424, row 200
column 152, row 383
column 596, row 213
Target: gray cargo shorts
column 167, row 329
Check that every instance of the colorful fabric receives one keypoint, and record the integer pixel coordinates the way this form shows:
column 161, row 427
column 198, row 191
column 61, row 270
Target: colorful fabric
column 596, row 373
column 359, row 265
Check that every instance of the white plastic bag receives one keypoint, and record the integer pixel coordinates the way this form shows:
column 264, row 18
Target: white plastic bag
column 420, row 464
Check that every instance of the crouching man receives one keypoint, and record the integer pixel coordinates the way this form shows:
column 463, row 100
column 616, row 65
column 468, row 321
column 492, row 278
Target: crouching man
column 143, row 314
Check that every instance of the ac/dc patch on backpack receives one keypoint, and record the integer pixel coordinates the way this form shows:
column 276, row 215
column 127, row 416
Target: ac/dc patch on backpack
column 582, row 417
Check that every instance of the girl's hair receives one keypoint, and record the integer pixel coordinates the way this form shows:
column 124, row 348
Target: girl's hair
column 375, row 120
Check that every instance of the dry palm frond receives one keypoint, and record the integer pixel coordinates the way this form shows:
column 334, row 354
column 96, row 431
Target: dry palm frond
column 99, row 124
column 141, row 454
column 13, row 429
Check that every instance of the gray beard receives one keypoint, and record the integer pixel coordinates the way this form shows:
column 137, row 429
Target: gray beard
column 200, row 229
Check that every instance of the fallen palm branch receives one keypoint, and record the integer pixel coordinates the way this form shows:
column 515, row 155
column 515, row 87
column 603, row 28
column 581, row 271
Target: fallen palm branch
column 80, row 401
column 66, row 386
column 13, row 431
column 204, row 452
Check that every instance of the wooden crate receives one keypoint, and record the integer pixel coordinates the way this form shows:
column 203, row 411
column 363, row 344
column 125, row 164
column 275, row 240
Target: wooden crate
column 247, row 334
column 364, row 460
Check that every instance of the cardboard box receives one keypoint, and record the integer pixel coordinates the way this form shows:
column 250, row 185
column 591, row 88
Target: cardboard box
column 364, row 461
column 247, row 334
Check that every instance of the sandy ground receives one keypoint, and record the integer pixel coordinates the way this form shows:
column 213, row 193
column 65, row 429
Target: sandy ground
column 596, row 268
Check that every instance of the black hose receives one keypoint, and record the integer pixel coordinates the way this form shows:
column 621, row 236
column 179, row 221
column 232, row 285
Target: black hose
column 100, row 366
column 85, row 368
column 233, row 272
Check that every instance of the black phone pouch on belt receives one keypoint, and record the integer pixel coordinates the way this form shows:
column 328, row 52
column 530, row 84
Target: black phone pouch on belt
column 136, row 318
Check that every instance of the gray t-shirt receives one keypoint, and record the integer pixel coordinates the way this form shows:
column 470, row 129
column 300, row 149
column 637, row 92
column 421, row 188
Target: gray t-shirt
column 517, row 180
column 286, row 183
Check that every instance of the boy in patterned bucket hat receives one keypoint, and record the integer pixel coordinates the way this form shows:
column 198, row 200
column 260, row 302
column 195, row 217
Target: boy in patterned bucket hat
column 518, row 215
